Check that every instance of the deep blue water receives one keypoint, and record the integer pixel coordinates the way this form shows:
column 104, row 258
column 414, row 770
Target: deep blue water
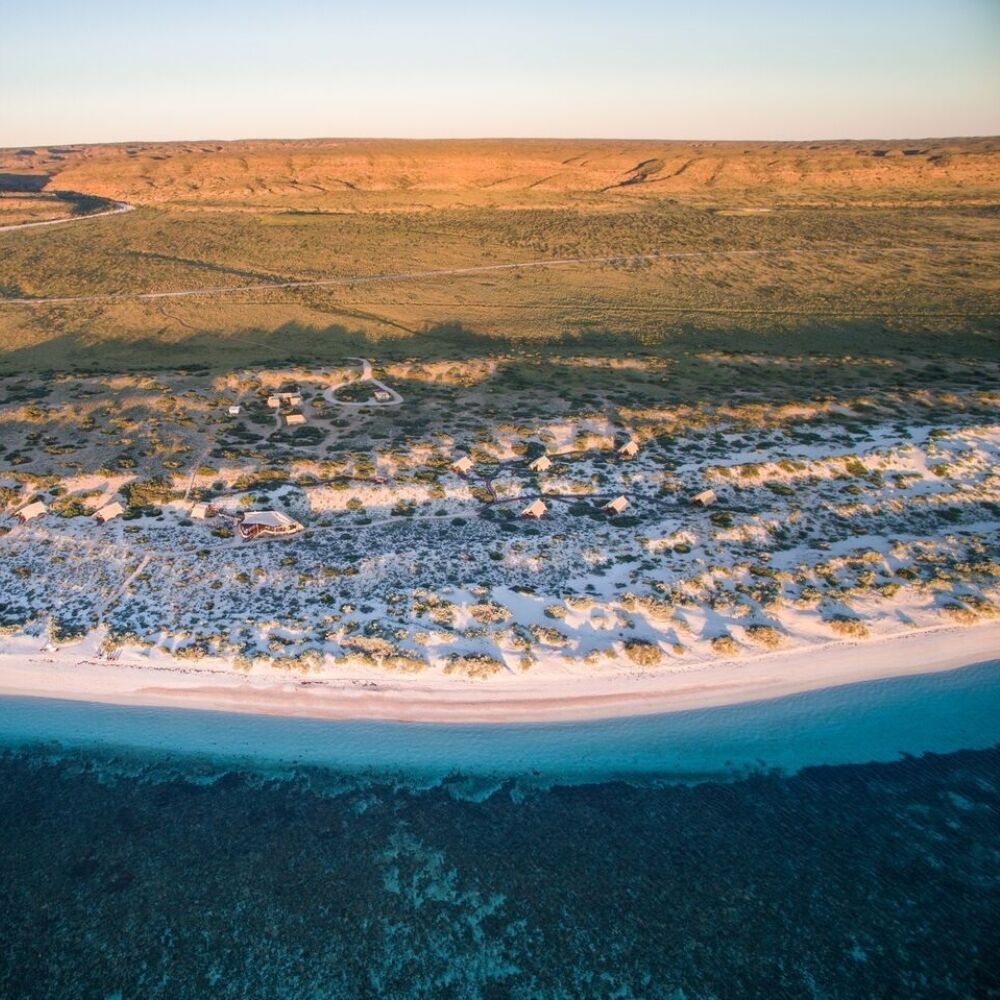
column 838, row 844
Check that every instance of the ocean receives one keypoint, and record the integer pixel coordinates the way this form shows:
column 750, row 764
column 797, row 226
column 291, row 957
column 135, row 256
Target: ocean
column 841, row 843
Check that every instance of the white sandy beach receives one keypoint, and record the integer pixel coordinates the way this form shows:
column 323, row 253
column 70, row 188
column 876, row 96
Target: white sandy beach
column 543, row 696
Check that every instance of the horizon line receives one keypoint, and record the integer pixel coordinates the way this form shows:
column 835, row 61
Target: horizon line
column 502, row 138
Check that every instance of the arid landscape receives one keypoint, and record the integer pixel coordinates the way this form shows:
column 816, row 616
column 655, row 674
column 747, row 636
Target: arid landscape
column 808, row 332
column 422, row 247
column 483, row 561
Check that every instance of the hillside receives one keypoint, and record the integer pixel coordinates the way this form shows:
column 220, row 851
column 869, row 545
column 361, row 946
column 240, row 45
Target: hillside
column 372, row 175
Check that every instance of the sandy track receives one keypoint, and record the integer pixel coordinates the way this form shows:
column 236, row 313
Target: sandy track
column 366, row 376
column 120, row 208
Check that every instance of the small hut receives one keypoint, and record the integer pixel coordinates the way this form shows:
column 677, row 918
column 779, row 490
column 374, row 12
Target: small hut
column 382, row 396
column 463, row 466
column 109, row 512
column 234, row 410
column 33, row 510
column 535, row 509
column 274, row 402
column 199, row 511
column 704, row 499
column 541, row 464
column 629, row 449
column 616, row 506
column 295, row 419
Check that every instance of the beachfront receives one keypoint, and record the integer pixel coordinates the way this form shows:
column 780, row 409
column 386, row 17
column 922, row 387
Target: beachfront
column 551, row 693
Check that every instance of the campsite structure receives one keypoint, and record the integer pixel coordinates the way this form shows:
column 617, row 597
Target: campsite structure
column 535, row 509
column 33, row 510
column 629, row 449
column 616, row 506
column 109, row 512
column 271, row 523
column 463, row 466
column 704, row 499
column 541, row 464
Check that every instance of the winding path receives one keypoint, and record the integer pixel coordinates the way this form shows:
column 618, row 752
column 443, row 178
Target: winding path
column 366, row 376
column 120, row 207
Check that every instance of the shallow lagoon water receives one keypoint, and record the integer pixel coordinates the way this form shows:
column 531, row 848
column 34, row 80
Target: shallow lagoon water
column 857, row 723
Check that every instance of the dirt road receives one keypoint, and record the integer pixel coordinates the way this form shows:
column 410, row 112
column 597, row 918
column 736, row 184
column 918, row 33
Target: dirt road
column 119, row 208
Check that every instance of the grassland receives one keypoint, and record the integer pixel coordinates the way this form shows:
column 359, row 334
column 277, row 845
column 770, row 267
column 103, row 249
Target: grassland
column 832, row 247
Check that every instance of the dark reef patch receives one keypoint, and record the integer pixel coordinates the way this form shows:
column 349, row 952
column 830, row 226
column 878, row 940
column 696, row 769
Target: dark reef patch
column 861, row 881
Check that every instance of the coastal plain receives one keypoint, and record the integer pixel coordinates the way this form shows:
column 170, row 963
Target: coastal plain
column 806, row 334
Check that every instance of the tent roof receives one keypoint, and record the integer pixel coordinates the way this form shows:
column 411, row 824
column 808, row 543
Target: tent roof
column 268, row 518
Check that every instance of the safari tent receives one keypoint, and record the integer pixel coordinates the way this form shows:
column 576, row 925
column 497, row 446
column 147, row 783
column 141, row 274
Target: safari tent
column 535, row 509
column 32, row 511
column 268, row 522
column 109, row 512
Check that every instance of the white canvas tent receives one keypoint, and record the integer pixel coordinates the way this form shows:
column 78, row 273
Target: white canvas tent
column 536, row 509
column 32, row 511
column 108, row 512
column 268, row 522
column 617, row 506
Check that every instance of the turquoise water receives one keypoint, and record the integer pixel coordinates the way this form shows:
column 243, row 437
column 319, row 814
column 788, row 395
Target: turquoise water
column 873, row 721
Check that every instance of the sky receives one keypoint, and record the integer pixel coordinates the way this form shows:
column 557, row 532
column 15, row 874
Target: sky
column 109, row 70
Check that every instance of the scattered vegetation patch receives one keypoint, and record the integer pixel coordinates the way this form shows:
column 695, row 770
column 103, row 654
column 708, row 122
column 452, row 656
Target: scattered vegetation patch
column 643, row 653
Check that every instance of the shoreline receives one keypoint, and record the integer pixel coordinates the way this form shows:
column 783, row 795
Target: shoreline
column 548, row 698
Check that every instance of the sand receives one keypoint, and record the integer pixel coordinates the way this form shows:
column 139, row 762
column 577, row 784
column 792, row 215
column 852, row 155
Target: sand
column 547, row 697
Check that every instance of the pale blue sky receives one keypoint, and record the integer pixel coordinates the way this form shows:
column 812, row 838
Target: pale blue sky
column 110, row 70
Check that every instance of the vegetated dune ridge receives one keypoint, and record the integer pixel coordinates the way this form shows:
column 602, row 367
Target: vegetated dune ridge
column 371, row 174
